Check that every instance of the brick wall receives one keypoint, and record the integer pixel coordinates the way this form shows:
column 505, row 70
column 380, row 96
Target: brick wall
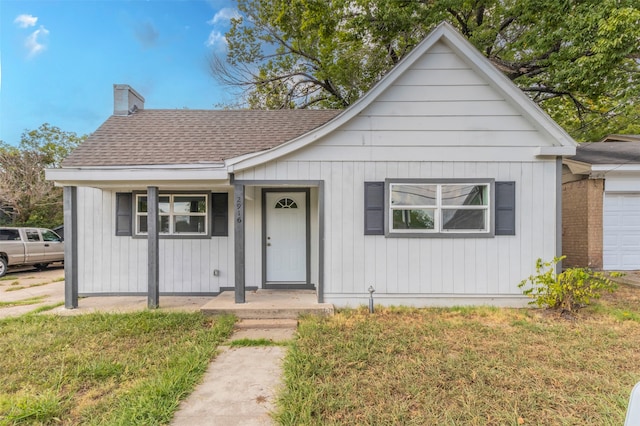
column 582, row 223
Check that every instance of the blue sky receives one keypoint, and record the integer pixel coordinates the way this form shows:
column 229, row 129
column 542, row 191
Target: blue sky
column 60, row 59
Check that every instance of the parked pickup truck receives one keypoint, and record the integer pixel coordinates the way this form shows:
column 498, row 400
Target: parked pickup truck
column 29, row 246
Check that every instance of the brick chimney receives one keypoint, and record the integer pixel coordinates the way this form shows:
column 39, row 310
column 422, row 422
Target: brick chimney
column 126, row 101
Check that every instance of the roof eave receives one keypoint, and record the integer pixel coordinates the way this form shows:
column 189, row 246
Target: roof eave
column 139, row 176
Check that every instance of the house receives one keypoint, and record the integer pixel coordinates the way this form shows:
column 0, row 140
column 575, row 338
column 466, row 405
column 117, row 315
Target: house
column 440, row 186
column 601, row 204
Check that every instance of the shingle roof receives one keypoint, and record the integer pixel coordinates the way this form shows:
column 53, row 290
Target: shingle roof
column 157, row 137
column 621, row 138
column 608, row 153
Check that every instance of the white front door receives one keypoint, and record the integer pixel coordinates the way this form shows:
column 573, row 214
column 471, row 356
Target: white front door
column 286, row 237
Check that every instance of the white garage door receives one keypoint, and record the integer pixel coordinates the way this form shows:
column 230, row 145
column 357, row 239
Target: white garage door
column 621, row 229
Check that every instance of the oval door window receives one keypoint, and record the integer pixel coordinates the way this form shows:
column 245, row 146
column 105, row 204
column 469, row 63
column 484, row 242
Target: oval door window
column 286, row 203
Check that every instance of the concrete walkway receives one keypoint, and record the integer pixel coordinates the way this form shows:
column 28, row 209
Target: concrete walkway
column 241, row 384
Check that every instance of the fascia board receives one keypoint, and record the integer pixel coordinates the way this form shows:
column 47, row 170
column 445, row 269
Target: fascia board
column 161, row 175
column 615, row 167
column 556, row 150
column 577, row 167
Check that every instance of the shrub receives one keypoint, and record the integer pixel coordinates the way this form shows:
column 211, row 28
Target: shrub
column 569, row 290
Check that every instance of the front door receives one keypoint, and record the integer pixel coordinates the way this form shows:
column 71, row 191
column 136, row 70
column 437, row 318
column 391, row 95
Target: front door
column 285, row 238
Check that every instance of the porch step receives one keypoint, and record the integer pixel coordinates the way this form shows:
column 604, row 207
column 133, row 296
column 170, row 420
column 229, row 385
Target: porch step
column 264, row 324
column 268, row 304
column 268, row 314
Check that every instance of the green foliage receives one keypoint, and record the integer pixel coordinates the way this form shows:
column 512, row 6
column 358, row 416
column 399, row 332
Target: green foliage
column 577, row 59
column 568, row 290
column 26, row 198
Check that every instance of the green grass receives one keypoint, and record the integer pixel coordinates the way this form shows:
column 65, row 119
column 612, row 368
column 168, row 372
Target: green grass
column 45, row 308
column 8, row 278
column 103, row 369
column 20, row 287
column 464, row 366
column 256, row 342
column 22, row 302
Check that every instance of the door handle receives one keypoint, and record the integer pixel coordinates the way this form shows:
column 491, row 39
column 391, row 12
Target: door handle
column 46, row 245
column 268, row 244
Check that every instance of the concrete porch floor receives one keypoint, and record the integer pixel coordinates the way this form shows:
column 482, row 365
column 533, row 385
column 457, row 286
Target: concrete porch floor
column 268, row 304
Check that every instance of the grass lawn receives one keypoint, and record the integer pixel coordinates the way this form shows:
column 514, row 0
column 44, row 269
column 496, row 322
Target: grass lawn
column 116, row 369
column 465, row 366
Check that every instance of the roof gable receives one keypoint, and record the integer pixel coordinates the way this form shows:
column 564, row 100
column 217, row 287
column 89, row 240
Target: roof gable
column 472, row 66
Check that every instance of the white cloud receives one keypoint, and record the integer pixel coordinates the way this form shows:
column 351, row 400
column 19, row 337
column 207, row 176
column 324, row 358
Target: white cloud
column 26, row 21
column 35, row 43
column 216, row 39
column 224, row 14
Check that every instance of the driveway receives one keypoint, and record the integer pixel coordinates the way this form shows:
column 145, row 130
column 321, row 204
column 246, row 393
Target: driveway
column 26, row 289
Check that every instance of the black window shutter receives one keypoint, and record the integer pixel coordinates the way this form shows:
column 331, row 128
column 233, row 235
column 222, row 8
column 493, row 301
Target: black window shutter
column 374, row 208
column 219, row 214
column 124, row 214
column 505, row 208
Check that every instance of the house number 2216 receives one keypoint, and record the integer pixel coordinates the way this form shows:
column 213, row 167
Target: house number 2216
column 239, row 209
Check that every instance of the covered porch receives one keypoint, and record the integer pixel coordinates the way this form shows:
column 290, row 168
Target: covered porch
column 257, row 280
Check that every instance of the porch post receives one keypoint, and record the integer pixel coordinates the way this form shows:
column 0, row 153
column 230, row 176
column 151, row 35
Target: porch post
column 238, row 233
column 153, row 292
column 321, row 242
column 70, row 210
column 559, row 212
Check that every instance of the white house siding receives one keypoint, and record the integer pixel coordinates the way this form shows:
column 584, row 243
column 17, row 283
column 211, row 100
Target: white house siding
column 440, row 119
column 440, row 270
column 115, row 265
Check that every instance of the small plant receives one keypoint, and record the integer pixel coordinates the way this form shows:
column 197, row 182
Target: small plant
column 569, row 290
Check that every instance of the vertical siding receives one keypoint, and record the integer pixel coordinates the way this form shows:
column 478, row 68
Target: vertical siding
column 110, row 264
column 440, row 119
column 427, row 266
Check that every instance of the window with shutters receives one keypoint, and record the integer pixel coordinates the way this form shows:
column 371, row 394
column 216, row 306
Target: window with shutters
column 439, row 208
column 180, row 214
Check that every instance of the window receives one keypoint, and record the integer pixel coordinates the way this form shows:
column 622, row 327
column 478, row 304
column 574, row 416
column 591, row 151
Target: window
column 32, row 235
column 451, row 207
column 286, row 203
column 180, row 214
column 48, row 235
column 9, row 235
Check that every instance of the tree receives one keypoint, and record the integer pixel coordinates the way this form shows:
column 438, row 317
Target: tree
column 26, row 198
column 579, row 60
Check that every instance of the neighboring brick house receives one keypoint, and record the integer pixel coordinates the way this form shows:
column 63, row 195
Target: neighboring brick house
column 601, row 204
